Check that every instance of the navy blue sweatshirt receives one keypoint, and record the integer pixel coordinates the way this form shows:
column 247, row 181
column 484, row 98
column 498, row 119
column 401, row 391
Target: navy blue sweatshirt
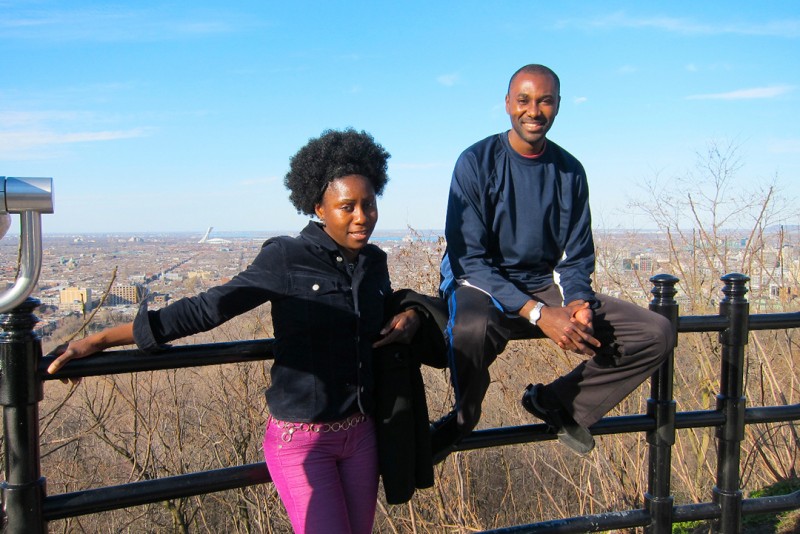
column 516, row 224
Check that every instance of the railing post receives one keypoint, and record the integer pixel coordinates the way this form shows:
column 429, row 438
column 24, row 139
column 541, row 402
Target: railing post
column 23, row 489
column 661, row 407
column 731, row 402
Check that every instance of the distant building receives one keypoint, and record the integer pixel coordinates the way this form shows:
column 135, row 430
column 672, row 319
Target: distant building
column 641, row 263
column 212, row 240
column 50, row 300
column 123, row 295
column 75, row 299
column 202, row 275
column 646, row 264
column 785, row 294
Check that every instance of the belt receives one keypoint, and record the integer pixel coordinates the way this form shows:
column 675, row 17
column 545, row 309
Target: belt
column 289, row 428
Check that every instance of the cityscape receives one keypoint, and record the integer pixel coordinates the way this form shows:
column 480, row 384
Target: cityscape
column 117, row 271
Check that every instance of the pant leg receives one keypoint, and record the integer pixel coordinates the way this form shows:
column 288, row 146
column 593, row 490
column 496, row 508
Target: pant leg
column 635, row 341
column 307, row 475
column 476, row 335
column 358, row 471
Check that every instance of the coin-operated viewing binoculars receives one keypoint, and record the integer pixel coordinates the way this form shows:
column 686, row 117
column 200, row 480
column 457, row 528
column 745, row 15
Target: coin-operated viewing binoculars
column 29, row 197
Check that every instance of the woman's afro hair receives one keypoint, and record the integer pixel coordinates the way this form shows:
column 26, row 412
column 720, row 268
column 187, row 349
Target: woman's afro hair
column 330, row 156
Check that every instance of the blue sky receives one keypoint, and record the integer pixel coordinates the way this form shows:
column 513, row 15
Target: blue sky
column 157, row 116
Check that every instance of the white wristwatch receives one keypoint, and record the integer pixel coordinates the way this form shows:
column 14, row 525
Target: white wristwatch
column 536, row 313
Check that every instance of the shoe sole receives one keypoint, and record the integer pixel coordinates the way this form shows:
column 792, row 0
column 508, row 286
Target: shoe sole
column 575, row 444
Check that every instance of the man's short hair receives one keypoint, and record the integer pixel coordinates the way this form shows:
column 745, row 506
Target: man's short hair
column 535, row 68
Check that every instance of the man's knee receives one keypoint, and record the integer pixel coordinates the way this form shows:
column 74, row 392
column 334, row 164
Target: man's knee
column 662, row 336
column 666, row 335
column 475, row 320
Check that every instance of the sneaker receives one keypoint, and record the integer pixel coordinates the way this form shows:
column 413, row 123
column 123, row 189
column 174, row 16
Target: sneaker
column 569, row 432
column 445, row 435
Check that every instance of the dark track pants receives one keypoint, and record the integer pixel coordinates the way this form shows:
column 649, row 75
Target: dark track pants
column 635, row 341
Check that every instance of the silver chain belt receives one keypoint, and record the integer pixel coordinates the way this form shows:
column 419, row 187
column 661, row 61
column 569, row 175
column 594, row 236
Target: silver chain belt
column 290, row 428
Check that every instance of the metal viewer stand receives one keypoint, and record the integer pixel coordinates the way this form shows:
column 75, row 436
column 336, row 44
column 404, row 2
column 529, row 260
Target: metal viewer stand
column 20, row 352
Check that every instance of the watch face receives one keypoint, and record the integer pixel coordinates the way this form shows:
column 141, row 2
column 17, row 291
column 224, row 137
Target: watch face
column 536, row 313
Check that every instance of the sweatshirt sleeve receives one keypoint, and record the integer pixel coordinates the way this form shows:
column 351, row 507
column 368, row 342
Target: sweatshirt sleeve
column 573, row 272
column 468, row 237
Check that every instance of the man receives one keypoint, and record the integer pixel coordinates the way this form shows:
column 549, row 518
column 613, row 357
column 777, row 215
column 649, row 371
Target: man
column 519, row 260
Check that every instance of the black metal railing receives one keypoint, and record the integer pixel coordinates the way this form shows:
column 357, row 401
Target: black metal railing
column 27, row 508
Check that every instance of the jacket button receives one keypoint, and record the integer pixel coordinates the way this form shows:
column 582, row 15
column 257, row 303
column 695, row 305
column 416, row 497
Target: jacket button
column 339, row 259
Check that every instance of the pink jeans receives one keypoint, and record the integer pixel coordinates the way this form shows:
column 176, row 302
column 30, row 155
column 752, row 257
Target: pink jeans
column 328, row 481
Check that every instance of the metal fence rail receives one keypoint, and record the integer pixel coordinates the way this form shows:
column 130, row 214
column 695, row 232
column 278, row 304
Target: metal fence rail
column 27, row 508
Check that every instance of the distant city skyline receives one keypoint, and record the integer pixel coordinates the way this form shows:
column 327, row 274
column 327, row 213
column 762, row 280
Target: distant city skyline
column 164, row 117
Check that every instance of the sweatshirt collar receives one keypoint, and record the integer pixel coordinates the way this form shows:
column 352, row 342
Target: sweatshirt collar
column 542, row 156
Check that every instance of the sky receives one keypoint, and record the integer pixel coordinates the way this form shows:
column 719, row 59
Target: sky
column 162, row 117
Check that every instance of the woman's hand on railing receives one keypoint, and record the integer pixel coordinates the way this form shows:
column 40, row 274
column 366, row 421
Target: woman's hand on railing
column 110, row 337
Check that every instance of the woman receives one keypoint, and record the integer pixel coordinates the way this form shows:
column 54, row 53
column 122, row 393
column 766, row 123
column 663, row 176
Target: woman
column 328, row 288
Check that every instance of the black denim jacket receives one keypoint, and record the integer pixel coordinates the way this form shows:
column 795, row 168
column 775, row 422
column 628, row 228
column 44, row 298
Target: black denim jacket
column 325, row 319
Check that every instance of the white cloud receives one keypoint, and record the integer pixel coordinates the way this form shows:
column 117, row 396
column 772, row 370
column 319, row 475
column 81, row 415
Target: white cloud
column 578, row 100
column 627, row 69
column 116, row 24
column 746, row 94
column 12, row 119
column 776, row 28
column 448, row 80
column 21, row 144
column 712, row 67
column 84, row 137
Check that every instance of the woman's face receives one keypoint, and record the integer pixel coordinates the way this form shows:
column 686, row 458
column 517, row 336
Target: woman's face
column 349, row 212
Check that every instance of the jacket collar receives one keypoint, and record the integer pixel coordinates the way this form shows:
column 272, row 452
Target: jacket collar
column 314, row 233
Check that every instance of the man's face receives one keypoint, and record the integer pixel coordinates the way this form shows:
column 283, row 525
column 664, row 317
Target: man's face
column 532, row 103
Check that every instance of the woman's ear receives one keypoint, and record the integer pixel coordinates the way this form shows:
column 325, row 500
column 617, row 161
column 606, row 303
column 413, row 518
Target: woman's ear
column 320, row 213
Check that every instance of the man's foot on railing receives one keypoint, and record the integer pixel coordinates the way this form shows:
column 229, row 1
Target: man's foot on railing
column 445, row 435
column 539, row 402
